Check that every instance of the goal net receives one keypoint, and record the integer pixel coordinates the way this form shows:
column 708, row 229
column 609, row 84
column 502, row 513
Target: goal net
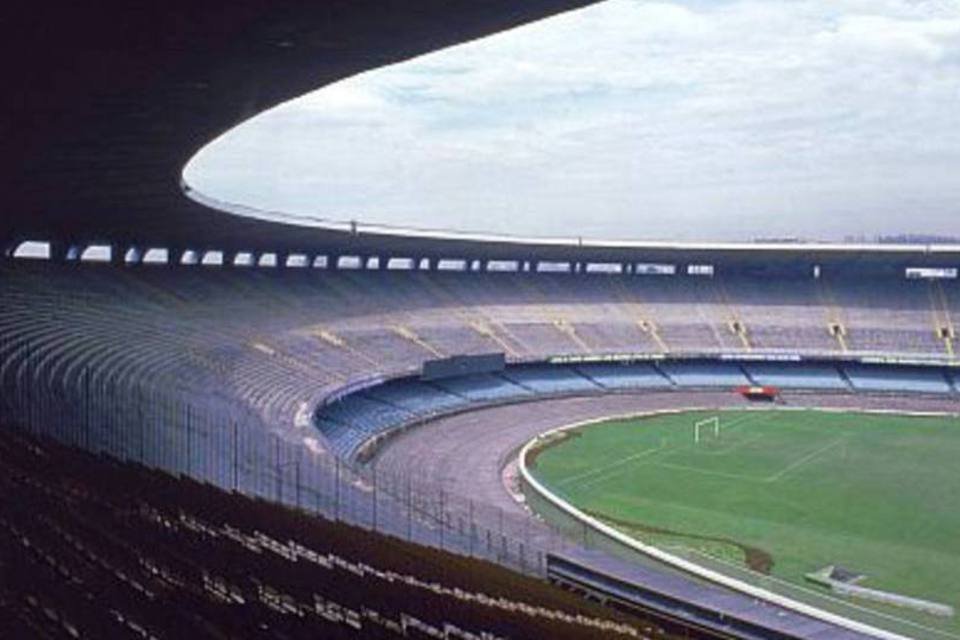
column 706, row 430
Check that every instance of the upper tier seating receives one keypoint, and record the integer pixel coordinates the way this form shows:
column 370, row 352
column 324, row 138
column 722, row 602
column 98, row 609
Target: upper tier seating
column 266, row 346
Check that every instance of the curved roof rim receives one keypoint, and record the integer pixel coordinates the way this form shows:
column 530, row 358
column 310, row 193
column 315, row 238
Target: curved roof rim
column 359, row 226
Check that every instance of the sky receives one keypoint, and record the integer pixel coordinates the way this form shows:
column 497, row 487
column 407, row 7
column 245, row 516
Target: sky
column 689, row 120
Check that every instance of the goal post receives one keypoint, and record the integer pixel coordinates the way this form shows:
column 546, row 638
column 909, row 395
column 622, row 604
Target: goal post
column 711, row 425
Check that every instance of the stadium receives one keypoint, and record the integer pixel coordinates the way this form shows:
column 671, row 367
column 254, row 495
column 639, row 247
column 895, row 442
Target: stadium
column 225, row 425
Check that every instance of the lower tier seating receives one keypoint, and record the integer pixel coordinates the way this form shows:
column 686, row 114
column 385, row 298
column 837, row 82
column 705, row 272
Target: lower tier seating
column 94, row 548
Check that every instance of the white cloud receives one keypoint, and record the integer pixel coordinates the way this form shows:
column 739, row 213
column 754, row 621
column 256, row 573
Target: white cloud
column 634, row 119
column 901, row 41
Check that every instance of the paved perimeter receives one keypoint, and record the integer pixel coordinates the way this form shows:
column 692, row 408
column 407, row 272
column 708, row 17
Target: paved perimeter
column 466, row 454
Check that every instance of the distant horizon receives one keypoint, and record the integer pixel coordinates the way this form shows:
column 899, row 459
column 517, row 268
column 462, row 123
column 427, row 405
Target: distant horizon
column 660, row 121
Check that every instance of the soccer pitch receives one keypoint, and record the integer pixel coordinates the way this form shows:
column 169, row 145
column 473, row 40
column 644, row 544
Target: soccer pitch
column 785, row 492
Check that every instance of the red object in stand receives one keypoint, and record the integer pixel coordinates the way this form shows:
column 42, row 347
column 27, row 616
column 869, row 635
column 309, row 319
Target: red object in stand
column 754, row 392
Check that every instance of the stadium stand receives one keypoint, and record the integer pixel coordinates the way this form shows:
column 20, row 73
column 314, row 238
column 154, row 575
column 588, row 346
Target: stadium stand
column 906, row 326
column 954, row 379
column 704, row 374
column 105, row 549
column 547, row 379
column 625, row 376
column 617, row 337
column 796, row 375
column 231, row 376
column 878, row 378
column 275, row 345
column 483, row 387
column 419, row 398
column 224, row 374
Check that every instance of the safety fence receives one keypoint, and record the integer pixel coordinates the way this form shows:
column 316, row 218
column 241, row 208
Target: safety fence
column 212, row 438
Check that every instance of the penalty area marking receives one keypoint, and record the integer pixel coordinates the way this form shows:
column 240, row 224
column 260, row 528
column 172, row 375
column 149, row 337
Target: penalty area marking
column 706, row 472
column 703, row 572
column 600, row 472
column 796, row 464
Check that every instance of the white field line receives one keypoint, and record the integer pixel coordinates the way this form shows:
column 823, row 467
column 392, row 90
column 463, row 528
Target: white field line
column 703, row 572
column 737, row 423
column 803, row 460
column 601, row 474
column 737, row 445
column 706, row 472
column 601, row 471
column 686, row 565
column 735, row 426
column 733, row 568
column 607, row 476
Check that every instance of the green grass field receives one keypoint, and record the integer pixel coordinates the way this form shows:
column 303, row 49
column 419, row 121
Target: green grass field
column 784, row 491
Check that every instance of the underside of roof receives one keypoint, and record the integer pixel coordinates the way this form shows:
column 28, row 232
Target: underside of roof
column 104, row 103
